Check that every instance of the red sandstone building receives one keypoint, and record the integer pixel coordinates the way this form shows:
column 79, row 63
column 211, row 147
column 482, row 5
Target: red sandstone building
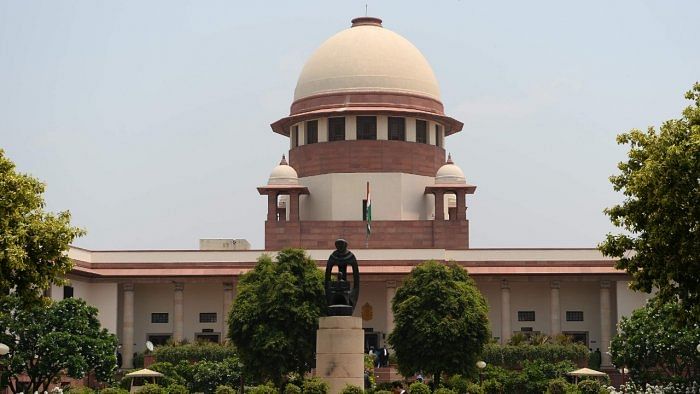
column 366, row 109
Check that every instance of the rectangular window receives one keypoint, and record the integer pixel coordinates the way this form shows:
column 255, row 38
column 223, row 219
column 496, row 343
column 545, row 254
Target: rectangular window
column 295, row 136
column 526, row 315
column 574, row 315
column 159, row 339
column 312, row 132
column 67, row 292
column 208, row 317
column 159, row 317
column 336, row 129
column 366, row 127
column 438, row 135
column 421, row 131
column 397, row 129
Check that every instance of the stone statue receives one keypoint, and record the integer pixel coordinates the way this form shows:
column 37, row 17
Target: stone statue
column 340, row 297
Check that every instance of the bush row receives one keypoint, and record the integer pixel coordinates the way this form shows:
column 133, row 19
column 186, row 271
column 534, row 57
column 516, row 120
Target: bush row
column 513, row 356
column 193, row 352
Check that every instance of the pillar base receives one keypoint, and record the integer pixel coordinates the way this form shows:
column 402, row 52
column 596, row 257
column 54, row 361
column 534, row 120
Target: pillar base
column 340, row 352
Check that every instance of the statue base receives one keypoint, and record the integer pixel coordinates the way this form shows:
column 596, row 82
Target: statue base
column 340, row 352
column 340, row 310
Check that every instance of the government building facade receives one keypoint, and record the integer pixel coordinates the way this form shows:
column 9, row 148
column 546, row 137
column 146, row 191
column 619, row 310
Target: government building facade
column 366, row 115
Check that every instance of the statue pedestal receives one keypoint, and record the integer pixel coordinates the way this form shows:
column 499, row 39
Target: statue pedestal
column 340, row 352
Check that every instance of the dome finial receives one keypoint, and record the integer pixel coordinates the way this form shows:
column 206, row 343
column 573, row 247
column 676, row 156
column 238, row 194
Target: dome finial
column 283, row 162
column 449, row 159
column 366, row 21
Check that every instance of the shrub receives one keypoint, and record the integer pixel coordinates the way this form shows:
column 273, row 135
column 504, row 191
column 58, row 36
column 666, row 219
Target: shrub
column 263, row 389
column 557, row 386
column 590, row 387
column 458, row 384
column 79, row 390
column 473, row 388
column 444, row 390
column 384, row 386
column 492, row 386
column 384, row 392
column 351, row 389
column 418, row 388
column 206, row 376
column 292, row 388
column 193, row 352
column 315, row 386
column 114, row 390
column 170, row 373
column 177, row 389
column 513, row 356
column 152, row 389
column 224, row 390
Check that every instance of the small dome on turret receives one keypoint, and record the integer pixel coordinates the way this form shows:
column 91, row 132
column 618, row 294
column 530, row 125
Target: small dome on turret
column 283, row 174
column 450, row 173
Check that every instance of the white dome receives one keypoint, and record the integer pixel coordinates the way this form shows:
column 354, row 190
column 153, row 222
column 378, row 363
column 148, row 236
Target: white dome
column 283, row 174
column 450, row 173
column 367, row 57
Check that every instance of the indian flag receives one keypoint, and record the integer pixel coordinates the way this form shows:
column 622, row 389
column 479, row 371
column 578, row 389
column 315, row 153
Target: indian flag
column 368, row 212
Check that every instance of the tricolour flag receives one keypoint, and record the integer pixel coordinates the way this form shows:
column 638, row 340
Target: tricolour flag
column 368, row 212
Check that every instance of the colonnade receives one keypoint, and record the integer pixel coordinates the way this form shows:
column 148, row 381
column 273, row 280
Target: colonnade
column 228, row 293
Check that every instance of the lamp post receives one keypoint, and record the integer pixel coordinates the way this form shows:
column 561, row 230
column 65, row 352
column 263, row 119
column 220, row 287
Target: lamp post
column 481, row 365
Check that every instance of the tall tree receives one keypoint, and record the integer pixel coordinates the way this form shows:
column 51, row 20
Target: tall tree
column 274, row 319
column 441, row 322
column 48, row 340
column 660, row 214
column 33, row 243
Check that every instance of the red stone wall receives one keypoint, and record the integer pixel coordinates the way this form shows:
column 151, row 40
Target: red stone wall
column 394, row 234
column 353, row 156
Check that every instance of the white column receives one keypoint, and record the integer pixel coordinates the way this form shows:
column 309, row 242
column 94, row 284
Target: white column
column 505, row 312
column 390, row 292
column 228, row 300
column 128, row 326
column 605, row 327
column 555, row 313
column 178, row 312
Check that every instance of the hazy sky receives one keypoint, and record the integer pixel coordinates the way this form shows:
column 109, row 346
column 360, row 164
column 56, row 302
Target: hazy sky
column 149, row 120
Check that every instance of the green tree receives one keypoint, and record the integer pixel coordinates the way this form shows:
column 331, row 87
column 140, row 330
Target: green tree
column 48, row 340
column 274, row 319
column 441, row 322
column 33, row 243
column 655, row 346
column 660, row 214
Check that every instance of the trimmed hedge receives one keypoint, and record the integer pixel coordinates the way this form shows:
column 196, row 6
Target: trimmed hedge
column 419, row 388
column 315, row 386
column 351, row 389
column 513, row 356
column 193, row 352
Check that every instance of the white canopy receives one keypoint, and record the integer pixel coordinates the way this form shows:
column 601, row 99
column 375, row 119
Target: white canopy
column 586, row 372
column 144, row 373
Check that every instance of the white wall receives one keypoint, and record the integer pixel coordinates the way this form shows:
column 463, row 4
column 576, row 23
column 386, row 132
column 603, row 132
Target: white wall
column 582, row 296
column 395, row 196
column 629, row 300
column 373, row 293
column 102, row 296
column 203, row 297
column 150, row 298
